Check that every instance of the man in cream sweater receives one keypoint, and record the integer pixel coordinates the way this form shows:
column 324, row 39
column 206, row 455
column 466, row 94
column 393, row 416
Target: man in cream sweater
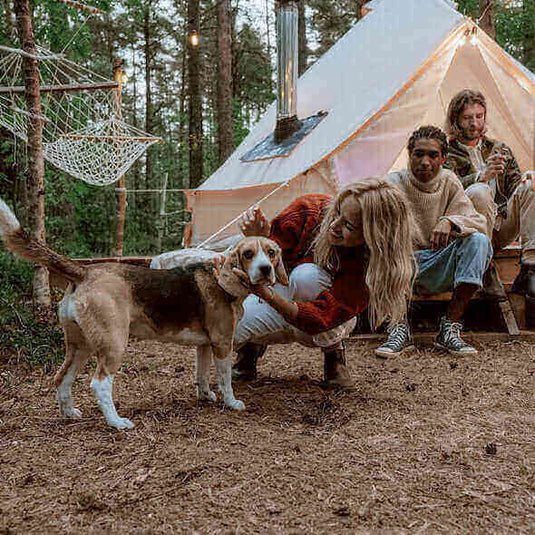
column 452, row 248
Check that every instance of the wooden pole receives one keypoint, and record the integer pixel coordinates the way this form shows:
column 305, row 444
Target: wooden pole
column 161, row 225
column 60, row 88
column 121, row 191
column 36, row 166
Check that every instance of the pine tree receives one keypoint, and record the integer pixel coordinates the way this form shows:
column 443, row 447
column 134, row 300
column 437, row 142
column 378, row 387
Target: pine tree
column 195, row 97
column 36, row 212
column 486, row 17
column 224, row 81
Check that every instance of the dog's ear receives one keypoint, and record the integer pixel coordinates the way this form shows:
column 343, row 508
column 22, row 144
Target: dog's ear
column 233, row 259
column 226, row 277
column 280, row 270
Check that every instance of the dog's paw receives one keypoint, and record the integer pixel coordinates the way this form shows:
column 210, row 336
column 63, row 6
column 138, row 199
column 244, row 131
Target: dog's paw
column 122, row 423
column 236, row 405
column 207, row 396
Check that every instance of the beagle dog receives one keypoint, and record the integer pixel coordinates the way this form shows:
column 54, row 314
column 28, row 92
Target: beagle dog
column 198, row 304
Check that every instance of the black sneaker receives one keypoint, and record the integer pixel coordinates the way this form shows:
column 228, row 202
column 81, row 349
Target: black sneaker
column 524, row 283
column 399, row 339
column 449, row 338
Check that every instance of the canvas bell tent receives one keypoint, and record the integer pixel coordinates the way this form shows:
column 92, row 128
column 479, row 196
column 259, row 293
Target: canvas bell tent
column 394, row 71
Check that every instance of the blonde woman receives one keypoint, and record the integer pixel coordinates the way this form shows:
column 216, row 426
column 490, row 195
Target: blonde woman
column 344, row 254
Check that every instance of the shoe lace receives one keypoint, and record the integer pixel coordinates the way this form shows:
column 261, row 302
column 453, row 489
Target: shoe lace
column 397, row 334
column 452, row 334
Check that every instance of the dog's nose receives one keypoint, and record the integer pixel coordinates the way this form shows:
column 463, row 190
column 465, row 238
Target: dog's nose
column 265, row 270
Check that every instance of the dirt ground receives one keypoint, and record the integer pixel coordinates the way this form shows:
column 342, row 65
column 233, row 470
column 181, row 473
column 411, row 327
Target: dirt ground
column 426, row 443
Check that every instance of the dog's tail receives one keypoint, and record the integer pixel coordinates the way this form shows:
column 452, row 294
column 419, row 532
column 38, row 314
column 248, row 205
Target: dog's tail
column 17, row 240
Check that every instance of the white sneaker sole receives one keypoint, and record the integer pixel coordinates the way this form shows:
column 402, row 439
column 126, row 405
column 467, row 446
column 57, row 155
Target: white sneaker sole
column 384, row 354
column 457, row 353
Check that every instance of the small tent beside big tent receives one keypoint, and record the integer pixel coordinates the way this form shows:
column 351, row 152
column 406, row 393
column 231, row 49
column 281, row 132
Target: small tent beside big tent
column 395, row 70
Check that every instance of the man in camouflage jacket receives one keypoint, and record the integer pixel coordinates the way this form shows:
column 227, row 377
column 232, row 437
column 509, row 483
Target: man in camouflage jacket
column 491, row 176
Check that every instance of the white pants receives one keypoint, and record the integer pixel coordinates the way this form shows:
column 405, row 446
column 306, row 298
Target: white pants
column 520, row 217
column 262, row 324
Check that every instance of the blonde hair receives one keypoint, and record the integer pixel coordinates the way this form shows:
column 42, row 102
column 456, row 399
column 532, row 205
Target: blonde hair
column 387, row 227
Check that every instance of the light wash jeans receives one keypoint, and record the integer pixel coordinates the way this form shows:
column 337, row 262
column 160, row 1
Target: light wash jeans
column 262, row 324
column 464, row 260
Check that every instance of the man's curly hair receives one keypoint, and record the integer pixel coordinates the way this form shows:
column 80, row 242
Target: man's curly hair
column 429, row 132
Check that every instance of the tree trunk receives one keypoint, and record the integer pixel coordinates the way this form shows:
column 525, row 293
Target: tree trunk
column 225, row 134
column 528, row 7
column 302, row 58
column 121, row 194
column 195, row 99
column 136, row 167
column 486, row 17
column 36, row 170
column 10, row 30
column 182, row 134
column 148, row 91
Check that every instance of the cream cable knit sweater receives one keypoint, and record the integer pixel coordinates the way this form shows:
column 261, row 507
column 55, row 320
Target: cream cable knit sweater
column 442, row 198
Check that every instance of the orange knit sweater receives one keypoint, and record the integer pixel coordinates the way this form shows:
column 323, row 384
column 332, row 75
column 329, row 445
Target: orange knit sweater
column 294, row 229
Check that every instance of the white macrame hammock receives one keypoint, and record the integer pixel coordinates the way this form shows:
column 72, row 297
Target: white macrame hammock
column 83, row 133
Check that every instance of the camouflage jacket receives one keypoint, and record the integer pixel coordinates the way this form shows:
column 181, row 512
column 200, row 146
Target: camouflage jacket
column 459, row 161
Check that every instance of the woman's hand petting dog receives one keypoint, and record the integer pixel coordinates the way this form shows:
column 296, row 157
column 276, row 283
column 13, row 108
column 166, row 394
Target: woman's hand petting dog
column 283, row 306
column 254, row 223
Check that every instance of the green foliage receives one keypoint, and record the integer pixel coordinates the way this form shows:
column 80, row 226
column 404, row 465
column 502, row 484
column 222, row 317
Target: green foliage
column 27, row 332
column 330, row 20
column 515, row 26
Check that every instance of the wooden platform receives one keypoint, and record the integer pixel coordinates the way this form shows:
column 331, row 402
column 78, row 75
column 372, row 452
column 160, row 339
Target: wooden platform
column 513, row 310
column 469, row 336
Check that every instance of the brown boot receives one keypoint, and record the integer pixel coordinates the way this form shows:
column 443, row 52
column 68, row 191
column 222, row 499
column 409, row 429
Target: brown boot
column 335, row 371
column 244, row 368
column 493, row 289
column 525, row 285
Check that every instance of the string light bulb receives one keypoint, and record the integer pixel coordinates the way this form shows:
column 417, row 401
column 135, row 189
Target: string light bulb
column 473, row 36
column 194, row 38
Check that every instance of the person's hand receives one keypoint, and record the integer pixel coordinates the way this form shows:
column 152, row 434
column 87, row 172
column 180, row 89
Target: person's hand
column 261, row 290
column 495, row 166
column 529, row 176
column 218, row 262
column 440, row 235
column 254, row 223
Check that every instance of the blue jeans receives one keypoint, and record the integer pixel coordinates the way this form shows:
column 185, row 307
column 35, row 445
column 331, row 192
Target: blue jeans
column 464, row 260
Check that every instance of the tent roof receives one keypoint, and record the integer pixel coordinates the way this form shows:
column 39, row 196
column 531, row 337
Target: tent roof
column 352, row 82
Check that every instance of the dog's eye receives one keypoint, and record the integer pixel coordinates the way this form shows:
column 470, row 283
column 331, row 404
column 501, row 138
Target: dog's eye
column 248, row 254
column 271, row 253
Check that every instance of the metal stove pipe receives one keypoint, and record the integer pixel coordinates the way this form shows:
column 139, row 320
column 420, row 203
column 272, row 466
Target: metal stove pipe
column 287, row 47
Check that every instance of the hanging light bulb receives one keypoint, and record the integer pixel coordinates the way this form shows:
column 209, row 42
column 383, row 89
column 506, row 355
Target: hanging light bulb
column 463, row 39
column 473, row 36
column 194, row 38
